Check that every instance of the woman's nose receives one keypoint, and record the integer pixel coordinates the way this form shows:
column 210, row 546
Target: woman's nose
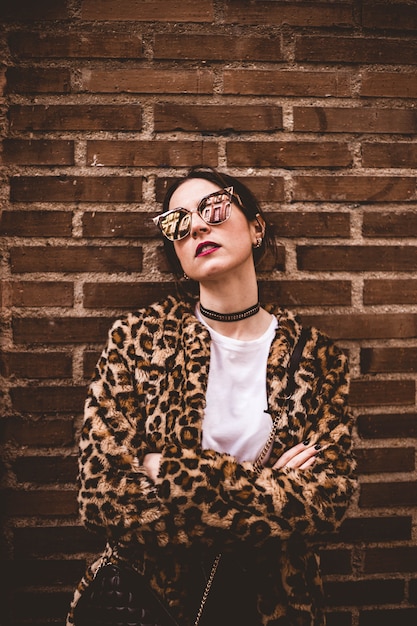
column 197, row 224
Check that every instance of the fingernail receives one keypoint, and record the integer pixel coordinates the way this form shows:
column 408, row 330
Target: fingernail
column 317, row 446
column 306, row 442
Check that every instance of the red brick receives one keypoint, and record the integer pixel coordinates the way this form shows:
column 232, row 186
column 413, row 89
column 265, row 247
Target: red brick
column 413, row 598
column 123, row 295
column 76, row 259
column 380, row 528
column 338, row 618
column 393, row 291
column 38, row 80
column 217, row 117
column 111, row 224
column 357, row 258
column 76, row 189
column 287, row 154
column 37, row 152
column 296, row 14
column 40, row 503
column 48, row 399
column 398, row 559
column 306, row 292
column 387, row 460
column 41, row 606
column 148, row 81
column 38, row 541
column 400, row 16
column 37, row 364
column 287, row 83
column 388, row 494
column 152, row 153
column 50, row 469
column 36, row 223
column 389, row 154
column 387, row 426
column 40, row 294
column 217, row 47
column 308, row 224
column 27, row 10
column 60, row 330
column 355, row 50
column 364, row 592
column 379, row 360
column 355, row 120
column 265, row 188
column 405, row 617
column 90, row 360
column 363, row 326
column 149, row 11
column 38, row 432
column 390, row 224
column 46, row 573
column 389, row 84
column 76, row 45
column 335, row 562
column 354, row 188
column 382, row 392
column 76, row 117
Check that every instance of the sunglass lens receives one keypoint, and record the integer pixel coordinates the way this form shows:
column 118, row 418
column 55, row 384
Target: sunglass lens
column 216, row 208
column 176, row 225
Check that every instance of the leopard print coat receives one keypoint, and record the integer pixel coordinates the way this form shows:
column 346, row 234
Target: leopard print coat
column 148, row 394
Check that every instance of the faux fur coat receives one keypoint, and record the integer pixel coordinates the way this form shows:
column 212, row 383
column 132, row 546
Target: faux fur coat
column 148, row 394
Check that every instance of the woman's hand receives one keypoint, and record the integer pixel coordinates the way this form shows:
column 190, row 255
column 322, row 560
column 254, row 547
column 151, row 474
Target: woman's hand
column 151, row 463
column 301, row 456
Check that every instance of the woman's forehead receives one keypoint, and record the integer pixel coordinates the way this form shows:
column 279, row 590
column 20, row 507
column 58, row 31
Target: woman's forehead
column 191, row 191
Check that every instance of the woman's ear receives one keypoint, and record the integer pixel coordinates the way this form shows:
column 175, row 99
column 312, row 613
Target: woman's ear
column 258, row 230
column 260, row 225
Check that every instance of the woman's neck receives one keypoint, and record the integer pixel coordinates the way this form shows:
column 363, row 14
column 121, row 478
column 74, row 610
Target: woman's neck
column 229, row 296
column 228, row 300
column 246, row 330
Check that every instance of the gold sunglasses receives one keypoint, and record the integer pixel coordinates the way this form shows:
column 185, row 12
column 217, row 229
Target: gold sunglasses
column 214, row 209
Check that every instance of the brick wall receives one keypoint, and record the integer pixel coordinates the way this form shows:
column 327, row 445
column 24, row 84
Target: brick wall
column 313, row 104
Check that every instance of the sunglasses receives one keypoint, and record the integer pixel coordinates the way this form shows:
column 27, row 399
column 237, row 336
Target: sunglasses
column 214, row 209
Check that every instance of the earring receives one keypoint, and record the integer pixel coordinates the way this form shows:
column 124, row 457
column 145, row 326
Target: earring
column 258, row 243
column 185, row 277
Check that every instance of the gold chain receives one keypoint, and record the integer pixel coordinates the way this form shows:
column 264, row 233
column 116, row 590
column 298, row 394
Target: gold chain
column 258, row 465
column 207, row 589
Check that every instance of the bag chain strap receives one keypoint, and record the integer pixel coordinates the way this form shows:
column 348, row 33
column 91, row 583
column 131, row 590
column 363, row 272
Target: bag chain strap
column 258, row 464
column 208, row 587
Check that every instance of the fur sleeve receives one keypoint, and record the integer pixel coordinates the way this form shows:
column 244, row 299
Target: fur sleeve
column 208, row 489
column 115, row 495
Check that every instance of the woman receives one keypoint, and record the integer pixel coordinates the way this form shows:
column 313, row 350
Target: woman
column 182, row 404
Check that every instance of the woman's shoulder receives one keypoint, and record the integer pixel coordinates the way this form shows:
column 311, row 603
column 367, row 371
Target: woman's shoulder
column 156, row 313
column 293, row 324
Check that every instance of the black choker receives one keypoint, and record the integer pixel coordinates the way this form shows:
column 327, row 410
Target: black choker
column 230, row 317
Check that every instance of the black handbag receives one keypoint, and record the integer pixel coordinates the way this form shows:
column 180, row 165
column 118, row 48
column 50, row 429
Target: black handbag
column 120, row 596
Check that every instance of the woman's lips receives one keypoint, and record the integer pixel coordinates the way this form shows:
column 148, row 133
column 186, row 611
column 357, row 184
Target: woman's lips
column 207, row 247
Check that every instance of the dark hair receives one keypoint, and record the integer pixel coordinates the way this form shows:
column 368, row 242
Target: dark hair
column 249, row 206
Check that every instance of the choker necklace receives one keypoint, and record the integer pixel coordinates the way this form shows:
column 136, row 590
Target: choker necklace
column 230, row 317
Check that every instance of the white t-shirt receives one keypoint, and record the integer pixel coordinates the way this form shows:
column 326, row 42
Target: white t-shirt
column 235, row 419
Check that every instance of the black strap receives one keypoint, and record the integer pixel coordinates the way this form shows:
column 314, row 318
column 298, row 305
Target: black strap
column 295, row 361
